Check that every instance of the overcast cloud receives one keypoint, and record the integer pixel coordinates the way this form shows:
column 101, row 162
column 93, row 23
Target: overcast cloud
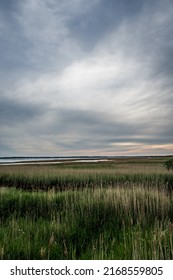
column 80, row 77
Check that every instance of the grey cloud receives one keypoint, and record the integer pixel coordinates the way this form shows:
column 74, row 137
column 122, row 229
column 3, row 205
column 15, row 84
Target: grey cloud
column 102, row 130
column 12, row 111
column 89, row 121
column 91, row 127
column 8, row 5
column 104, row 17
column 134, row 38
column 5, row 149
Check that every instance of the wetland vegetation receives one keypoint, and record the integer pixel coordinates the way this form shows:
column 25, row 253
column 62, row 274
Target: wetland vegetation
column 118, row 209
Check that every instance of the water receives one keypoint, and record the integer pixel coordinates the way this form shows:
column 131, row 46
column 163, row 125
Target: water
column 45, row 160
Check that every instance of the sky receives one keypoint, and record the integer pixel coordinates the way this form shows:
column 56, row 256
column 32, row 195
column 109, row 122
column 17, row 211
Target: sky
column 86, row 77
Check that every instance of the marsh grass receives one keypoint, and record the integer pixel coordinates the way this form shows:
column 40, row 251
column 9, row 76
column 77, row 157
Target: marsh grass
column 76, row 176
column 117, row 210
column 119, row 223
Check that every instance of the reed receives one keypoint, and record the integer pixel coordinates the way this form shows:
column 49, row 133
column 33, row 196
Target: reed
column 105, row 211
column 121, row 223
column 75, row 176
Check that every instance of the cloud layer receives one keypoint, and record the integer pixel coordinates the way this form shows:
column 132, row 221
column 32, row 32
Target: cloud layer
column 86, row 77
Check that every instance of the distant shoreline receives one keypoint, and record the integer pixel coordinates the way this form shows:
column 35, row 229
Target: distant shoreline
column 47, row 160
column 58, row 160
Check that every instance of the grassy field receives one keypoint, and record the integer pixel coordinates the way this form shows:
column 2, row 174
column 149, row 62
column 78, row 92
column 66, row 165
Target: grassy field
column 121, row 209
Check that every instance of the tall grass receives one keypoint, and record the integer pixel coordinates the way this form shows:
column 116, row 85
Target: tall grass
column 77, row 176
column 107, row 211
column 120, row 223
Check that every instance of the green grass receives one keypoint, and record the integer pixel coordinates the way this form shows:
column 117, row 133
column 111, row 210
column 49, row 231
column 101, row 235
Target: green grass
column 119, row 223
column 114, row 210
column 77, row 176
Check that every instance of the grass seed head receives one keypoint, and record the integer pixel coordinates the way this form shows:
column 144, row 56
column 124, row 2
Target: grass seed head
column 52, row 239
